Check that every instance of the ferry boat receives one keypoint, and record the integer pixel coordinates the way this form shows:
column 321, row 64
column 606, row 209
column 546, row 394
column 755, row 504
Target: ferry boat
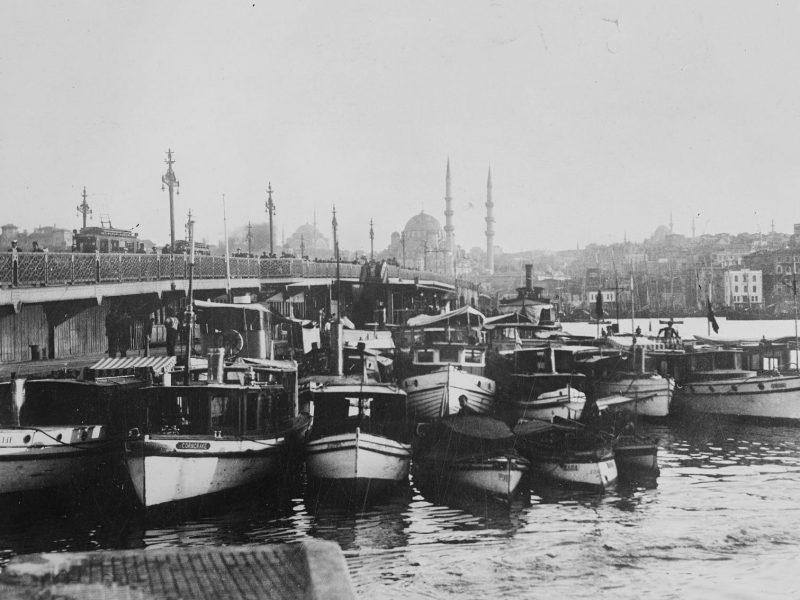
column 448, row 359
column 238, row 427
column 468, row 453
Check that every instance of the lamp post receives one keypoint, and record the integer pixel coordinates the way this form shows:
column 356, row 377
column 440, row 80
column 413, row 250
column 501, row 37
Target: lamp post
column 83, row 208
column 169, row 180
column 270, row 211
column 371, row 241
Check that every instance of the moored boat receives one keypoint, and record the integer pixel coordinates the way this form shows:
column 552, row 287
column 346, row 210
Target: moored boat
column 447, row 359
column 568, row 453
column 62, row 435
column 468, row 453
column 359, row 433
column 207, row 437
column 717, row 384
column 652, row 394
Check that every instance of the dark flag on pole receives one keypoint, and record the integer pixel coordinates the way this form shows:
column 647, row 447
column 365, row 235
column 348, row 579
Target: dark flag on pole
column 599, row 305
column 711, row 318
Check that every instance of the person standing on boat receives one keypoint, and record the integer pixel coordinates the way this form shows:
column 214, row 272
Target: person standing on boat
column 172, row 325
column 124, row 333
column 669, row 331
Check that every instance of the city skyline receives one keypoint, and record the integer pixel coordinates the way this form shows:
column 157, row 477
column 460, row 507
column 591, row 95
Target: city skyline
column 599, row 121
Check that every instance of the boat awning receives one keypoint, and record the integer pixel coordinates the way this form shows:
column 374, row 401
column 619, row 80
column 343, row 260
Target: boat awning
column 477, row 426
column 117, row 366
column 243, row 306
column 460, row 313
column 286, row 366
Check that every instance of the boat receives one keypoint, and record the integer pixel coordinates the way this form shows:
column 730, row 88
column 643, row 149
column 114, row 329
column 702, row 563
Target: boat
column 63, row 435
column 533, row 387
column 718, row 384
column 238, row 427
column 636, row 457
column 470, row 453
column 651, row 393
column 567, row 452
column 447, row 361
column 359, row 432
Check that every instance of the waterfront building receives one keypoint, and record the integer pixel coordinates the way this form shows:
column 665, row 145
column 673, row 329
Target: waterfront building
column 743, row 289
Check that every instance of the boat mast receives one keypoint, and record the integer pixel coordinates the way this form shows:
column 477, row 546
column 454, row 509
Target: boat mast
column 227, row 252
column 338, row 323
column 794, row 294
column 190, row 308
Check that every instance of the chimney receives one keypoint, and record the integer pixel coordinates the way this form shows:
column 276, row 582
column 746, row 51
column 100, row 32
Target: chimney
column 528, row 277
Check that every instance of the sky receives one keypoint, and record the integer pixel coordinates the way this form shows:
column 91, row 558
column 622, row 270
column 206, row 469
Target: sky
column 599, row 119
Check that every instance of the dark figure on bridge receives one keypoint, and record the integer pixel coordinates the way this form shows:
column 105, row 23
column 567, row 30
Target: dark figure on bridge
column 112, row 332
column 124, row 333
column 172, row 325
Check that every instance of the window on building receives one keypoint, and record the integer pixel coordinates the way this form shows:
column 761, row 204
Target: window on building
column 735, row 289
column 736, row 278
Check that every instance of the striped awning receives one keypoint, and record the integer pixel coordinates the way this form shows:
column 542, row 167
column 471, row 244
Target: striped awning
column 118, row 366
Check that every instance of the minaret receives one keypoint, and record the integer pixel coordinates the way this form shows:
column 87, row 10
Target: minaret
column 448, row 226
column 489, row 225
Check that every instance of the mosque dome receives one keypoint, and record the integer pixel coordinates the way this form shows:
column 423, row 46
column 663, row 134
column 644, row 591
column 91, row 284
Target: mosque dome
column 423, row 223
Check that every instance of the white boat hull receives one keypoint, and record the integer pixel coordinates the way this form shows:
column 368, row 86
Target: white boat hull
column 173, row 469
column 652, row 395
column 766, row 397
column 357, row 456
column 498, row 476
column 636, row 458
column 437, row 394
column 566, row 403
column 594, row 471
column 53, row 457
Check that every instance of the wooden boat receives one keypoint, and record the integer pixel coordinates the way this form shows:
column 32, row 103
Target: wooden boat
column 542, row 396
column 567, row 452
column 446, row 391
column 359, row 431
column 468, row 452
column 239, row 427
column 447, row 361
column 717, row 384
column 651, row 393
column 62, row 435
column 636, row 457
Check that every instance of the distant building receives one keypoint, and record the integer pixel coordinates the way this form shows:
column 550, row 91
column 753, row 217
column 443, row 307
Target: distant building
column 743, row 289
column 55, row 239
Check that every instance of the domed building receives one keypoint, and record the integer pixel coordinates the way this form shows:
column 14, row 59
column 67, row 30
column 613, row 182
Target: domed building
column 424, row 241
column 313, row 243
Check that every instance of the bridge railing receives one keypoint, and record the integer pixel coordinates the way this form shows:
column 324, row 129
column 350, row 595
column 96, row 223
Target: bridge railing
column 34, row 269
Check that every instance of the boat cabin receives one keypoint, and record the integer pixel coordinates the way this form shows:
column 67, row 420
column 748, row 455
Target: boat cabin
column 708, row 364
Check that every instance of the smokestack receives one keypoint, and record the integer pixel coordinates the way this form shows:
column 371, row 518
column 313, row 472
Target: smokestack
column 528, row 278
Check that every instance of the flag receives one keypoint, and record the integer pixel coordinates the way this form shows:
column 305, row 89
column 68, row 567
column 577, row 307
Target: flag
column 599, row 305
column 711, row 318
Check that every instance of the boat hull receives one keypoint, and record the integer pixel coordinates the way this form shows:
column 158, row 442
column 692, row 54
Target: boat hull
column 497, row 476
column 636, row 459
column 566, row 403
column 589, row 469
column 170, row 468
column 757, row 397
column 45, row 458
column 437, row 394
column 357, row 456
column 652, row 396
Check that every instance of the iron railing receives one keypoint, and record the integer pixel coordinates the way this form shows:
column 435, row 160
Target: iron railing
column 35, row 269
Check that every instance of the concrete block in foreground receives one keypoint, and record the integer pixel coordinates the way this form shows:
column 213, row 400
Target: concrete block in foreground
column 305, row 570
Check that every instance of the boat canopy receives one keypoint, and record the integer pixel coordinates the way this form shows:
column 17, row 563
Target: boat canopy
column 476, row 426
column 129, row 365
column 284, row 366
column 512, row 319
column 463, row 316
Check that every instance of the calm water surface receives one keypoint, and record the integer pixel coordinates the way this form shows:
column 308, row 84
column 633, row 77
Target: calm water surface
column 721, row 521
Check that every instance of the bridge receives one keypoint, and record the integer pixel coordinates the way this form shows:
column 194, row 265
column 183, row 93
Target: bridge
column 57, row 302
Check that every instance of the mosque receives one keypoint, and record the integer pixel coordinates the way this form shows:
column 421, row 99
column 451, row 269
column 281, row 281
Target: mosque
column 423, row 244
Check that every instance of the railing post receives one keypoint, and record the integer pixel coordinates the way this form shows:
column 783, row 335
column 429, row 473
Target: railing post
column 46, row 263
column 97, row 266
column 15, row 268
column 120, row 267
column 72, row 269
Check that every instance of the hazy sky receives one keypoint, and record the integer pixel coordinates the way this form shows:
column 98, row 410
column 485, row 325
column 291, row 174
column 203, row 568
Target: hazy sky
column 598, row 118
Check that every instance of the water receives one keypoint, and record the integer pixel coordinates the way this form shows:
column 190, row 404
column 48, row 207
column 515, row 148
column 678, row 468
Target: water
column 721, row 521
